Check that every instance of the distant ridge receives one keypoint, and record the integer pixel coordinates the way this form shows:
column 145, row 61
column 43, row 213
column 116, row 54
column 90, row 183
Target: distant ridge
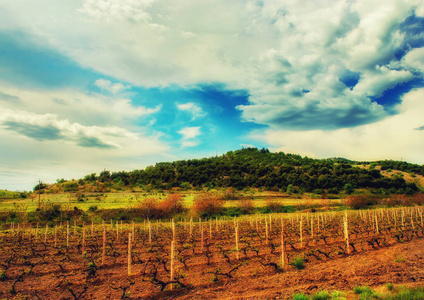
column 257, row 168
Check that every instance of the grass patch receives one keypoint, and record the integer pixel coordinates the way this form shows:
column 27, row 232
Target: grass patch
column 298, row 263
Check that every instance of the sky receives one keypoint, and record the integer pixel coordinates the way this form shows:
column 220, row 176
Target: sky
column 88, row 85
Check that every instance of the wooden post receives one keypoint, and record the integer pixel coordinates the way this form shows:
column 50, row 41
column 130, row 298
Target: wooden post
column 301, row 231
column 312, row 227
column 172, row 264
column 67, row 234
column 201, row 241
column 104, row 246
column 266, row 231
column 117, row 231
column 346, row 233
column 45, row 234
column 150, row 232
column 237, row 237
column 412, row 220
column 92, row 228
column 75, row 227
column 376, row 224
column 55, row 236
column 283, row 248
column 402, row 218
column 173, row 230
column 129, row 254
column 83, row 240
column 210, row 228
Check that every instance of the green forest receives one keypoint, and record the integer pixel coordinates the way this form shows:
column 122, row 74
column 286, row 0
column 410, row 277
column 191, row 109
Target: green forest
column 259, row 168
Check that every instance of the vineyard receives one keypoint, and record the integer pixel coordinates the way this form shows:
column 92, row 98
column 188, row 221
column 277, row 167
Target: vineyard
column 127, row 260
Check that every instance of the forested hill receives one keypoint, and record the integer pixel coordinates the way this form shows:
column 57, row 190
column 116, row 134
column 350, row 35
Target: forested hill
column 251, row 167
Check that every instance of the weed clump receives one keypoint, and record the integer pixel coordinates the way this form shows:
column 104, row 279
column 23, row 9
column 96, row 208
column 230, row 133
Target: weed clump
column 298, row 263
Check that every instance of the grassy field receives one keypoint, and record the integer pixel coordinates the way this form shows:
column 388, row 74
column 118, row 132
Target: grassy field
column 129, row 199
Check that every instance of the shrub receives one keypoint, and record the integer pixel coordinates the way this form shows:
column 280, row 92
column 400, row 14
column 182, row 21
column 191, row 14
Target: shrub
column 207, row 205
column 390, row 286
column 92, row 208
column 322, row 295
column 300, row 297
column 298, row 263
column 229, row 194
column 362, row 201
column 273, row 205
column 246, row 206
column 409, row 293
column 172, row 205
column 365, row 292
column 149, row 208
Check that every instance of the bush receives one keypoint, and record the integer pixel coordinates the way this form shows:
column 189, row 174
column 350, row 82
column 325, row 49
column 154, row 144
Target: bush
column 172, row 205
column 273, row 205
column 362, row 201
column 298, row 263
column 322, row 295
column 365, row 292
column 207, row 205
column 92, row 208
column 229, row 194
column 300, row 297
column 246, row 206
column 149, row 208
column 233, row 211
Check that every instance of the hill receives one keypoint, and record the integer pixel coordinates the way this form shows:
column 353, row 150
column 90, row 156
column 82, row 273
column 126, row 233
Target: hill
column 254, row 168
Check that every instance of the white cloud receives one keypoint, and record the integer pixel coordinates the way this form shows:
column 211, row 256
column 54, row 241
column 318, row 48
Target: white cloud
column 67, row 133
column 107, row 85
column 288, row 55
column 192, row 108
column 396, row 137
column 415, row 59
column 49, row 127
column 190, row 132
column 77, row 106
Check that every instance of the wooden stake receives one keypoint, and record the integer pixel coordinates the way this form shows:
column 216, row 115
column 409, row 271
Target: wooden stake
column 129, row 254
column 266, row 232
column 150, row 232
column 172, row 264
column 67, row 234
column 237, row 237
column 55, row 236
column 301, row 232
column 117, row 230
column 45, row 234
column 202, row 241
column 283, row 248
column 83, row 240
column 104, row 246
column 376, row 224
column 312, row 227
column 346, row 232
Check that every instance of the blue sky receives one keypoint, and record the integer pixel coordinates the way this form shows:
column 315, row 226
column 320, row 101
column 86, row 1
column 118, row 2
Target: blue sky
column 89, row 85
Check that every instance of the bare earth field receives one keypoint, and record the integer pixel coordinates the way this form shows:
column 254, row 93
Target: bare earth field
column 206, row 265
column 401, row 264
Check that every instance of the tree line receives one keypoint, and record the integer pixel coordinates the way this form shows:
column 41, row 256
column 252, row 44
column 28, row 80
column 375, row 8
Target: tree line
column 260, row 168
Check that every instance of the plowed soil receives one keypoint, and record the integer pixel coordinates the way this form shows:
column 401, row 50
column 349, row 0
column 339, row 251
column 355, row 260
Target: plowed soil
column 400, row 264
